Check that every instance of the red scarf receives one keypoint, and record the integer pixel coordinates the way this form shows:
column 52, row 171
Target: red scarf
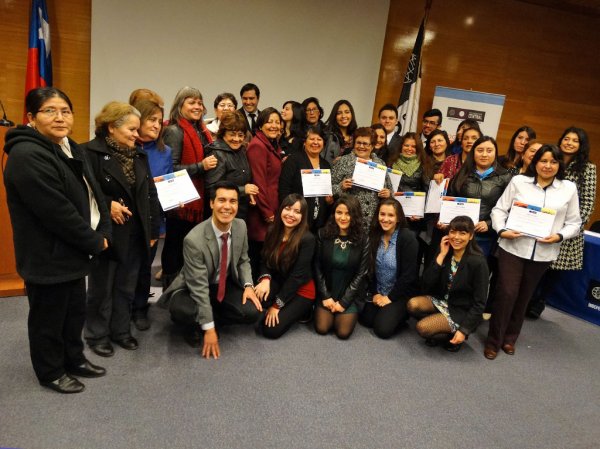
column 192, row 153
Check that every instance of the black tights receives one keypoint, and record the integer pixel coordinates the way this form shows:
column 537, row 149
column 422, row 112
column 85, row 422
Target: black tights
column 342, row 323
column 431, row 322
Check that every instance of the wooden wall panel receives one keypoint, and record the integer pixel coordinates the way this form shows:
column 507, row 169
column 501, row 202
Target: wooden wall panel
column 544, row 60
column 70, row 25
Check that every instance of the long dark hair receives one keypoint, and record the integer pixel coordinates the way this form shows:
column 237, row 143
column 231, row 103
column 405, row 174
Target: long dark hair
column 582, row 157
column 282, row 260
column 395, row 155
column 332, row 124
column 556, row 154
column 355, row 232
column 511, row 154
column 376, row 232
column 463, row 223
column 296, row 123
column 469, row 166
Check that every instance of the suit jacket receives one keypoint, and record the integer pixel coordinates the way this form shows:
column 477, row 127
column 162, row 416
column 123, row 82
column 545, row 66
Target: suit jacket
column 243, row 112
column 200, row 263
column 394, row 145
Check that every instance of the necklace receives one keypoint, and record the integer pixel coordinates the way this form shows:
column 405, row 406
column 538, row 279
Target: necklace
column 343, row 243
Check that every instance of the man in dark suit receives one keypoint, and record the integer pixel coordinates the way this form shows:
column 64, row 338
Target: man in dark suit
column 215, row 283
column 388, row 117
column 250, row 95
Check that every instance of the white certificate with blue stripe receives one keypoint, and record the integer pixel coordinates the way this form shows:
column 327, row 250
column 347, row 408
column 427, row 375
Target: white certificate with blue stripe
column 530, row 220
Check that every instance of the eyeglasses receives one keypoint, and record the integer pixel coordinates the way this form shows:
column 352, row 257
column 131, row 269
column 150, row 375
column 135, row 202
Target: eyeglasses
column 312, row 110
column 226, row 105
column 430, row 122
column 49, row 112
column 362, row 144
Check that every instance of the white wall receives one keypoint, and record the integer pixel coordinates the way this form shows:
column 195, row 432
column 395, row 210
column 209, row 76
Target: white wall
column 330, row 49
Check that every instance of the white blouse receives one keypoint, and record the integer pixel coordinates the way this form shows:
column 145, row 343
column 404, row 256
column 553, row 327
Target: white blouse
column 560, row 196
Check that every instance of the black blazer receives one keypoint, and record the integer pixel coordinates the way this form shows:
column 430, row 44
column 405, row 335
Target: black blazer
column 407, row 275
column 358, row 257
column 285, row 284
column 290, row 181
column 141, row 199
column 468, row 295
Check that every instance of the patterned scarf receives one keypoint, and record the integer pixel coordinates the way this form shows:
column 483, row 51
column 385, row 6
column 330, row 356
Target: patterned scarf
column 408, row 165
column 125, row 156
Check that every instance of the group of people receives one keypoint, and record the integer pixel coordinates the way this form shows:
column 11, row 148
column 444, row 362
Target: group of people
column 253, row 249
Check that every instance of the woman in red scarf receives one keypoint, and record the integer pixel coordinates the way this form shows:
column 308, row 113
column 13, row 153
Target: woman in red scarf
column 187, row 136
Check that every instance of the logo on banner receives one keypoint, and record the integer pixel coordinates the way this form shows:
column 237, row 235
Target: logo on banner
column 593, row 295
column 463, row 114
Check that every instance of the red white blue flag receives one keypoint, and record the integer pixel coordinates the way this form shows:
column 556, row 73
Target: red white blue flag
column 39, row 58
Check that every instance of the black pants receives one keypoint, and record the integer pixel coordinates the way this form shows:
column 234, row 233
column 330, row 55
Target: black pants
column 171, row 258
column 517, row 279
column 56, row 317
column 142, row 290
column 386, row 320
column 294, row 310
column 229, row 311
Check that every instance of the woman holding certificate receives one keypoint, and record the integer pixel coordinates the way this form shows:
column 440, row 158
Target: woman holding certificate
column 457, row 281
column 343, row 171
column 393, row 272
column 410, row 161
column 291, row 178
column 545, row 212
column 187, row 136
column 575, row 148
column 482, row 177
column 341, row 264
column 286, row 280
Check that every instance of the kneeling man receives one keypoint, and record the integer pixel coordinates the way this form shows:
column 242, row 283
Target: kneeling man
column 215, row 283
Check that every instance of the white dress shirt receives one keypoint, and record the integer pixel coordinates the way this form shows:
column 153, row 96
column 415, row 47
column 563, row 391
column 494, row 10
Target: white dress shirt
column 560, row 196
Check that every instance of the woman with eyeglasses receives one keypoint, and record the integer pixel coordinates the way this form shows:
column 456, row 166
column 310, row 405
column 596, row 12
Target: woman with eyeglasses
column 312, row 114
column 522, row 259
column 60, row 222
column 225, row 102
column 341, row 176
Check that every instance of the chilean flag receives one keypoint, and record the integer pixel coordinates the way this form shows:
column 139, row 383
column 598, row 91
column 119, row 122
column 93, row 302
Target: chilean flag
column 39, row 58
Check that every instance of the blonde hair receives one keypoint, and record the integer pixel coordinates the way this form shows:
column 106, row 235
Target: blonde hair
column 114, row 113
column 146, row 94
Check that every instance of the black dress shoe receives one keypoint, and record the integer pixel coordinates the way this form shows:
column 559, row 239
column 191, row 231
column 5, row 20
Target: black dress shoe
column 431, row 342
column 87, row 369
column 141, row 323
column 450, row 347
column 128, row 343
column 65, row 384
column 193, row 336
column 103, row 349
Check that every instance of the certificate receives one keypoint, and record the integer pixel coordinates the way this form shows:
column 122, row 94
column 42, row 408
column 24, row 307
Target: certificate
column 530, row 220
column 434, row 196
column 455, row 206
column 395, row 176
column 174, row 189
column 316, row 182
column 413, row 203
column 369, row 175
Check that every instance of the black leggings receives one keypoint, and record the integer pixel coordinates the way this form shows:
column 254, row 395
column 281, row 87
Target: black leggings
column 384, row 320
column 294, row 310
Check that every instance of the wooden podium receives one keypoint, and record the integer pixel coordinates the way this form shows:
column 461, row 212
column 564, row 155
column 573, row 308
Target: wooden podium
column 10, row 282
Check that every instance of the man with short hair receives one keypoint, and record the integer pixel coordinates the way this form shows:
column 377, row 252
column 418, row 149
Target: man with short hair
column 388, row 117
column 432, row 120
column 215, row 284
column 250, row 94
